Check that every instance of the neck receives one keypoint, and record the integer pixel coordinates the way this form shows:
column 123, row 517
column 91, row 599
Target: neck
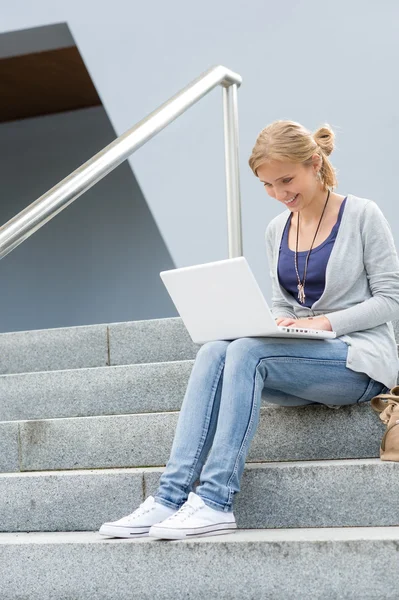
column 312, row 212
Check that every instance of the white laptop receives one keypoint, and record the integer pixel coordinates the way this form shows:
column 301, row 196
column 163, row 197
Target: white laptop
column 223, row 301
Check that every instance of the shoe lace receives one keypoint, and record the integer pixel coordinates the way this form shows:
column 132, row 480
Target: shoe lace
column 141, row 510
column 185, row 511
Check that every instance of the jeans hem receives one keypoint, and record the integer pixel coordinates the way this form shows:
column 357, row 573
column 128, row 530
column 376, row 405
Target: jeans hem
column 167, row 503
column 215, row 505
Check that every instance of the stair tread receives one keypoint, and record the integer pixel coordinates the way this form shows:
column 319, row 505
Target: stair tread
column 307, row 534
column 252, row 465
column 90, row 370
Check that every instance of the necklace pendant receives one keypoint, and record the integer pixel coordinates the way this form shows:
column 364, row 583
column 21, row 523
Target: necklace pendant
column 301, row 294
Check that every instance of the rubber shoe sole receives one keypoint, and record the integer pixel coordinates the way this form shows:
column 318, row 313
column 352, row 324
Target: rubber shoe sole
column 139, row 523
column 124, row 532
column 179, row 533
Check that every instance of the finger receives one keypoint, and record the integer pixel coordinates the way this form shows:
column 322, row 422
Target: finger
column 286, row 322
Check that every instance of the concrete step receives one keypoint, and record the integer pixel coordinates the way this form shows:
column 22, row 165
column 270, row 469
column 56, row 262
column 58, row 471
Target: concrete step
column 141, row 440
column 119, row 390
column 134, row 342
column 305, row 564
column 341, row 493
column 156, row 340
column 115, row 390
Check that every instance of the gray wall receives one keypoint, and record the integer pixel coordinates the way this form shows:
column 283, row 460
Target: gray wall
column 98, row 260
column 303, row 60
column 36, row 39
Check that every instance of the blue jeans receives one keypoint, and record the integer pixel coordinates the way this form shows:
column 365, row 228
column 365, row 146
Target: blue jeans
column 220, row 410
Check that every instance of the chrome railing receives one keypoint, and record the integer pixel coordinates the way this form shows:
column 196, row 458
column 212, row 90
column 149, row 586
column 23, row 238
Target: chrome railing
column 29, row 220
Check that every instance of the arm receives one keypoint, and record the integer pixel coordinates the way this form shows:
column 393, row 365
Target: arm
column 381, row 263
column 280, row 307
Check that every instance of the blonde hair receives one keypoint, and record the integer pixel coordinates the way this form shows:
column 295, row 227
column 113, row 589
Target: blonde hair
column 288, row 140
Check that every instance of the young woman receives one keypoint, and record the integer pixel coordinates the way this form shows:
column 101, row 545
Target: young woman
column 334, row 266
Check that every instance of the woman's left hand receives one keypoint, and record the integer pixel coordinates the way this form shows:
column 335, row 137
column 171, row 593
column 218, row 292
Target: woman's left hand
column 315, row 323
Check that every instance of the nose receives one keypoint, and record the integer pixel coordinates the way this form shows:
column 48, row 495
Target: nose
column 282, row 196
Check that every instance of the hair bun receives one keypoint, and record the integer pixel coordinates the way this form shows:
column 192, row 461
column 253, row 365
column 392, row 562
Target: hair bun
column 325, row 137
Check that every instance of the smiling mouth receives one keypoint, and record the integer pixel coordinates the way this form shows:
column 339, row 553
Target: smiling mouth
column 292, row 200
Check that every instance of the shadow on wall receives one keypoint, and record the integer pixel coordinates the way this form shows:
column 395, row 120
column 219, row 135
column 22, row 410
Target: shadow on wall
column 98, row 261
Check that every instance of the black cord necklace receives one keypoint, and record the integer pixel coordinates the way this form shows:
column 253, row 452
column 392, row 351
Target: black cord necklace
column 301, row 285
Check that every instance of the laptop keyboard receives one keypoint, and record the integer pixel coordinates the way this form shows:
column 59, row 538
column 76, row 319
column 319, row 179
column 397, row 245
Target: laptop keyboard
column 314, row 332
column 296, row 330
column 293, row 329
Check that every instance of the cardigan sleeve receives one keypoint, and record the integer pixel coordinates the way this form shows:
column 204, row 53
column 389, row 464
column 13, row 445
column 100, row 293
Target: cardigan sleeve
column 381, row 264
column 280, row 307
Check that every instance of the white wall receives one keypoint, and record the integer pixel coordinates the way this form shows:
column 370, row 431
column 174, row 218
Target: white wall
column 303, row 60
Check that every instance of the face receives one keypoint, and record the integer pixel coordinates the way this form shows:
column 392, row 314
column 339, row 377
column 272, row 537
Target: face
column 285, row 180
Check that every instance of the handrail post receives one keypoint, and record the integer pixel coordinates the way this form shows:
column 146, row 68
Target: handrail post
column 234, row 224
column 34, row 216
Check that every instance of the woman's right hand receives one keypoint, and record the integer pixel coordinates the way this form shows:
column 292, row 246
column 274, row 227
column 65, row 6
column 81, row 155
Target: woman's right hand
column 284, row 321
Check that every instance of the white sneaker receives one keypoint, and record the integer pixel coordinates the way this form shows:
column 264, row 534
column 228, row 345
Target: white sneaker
column 194, row 519
column 138, row 523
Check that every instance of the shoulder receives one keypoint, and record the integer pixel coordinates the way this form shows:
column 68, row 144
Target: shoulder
column 366, row 217
column 369, row 213
column 362, row 206
column 275, row 225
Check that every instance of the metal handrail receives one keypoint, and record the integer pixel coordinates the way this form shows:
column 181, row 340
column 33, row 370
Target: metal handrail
column 29, row 220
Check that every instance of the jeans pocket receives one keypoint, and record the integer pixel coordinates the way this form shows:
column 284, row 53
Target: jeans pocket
column 373, row 388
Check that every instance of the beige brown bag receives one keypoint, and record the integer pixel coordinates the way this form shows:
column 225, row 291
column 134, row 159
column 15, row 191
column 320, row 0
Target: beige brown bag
column 387, row 405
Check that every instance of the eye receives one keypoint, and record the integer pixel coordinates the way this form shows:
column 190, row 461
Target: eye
column 288, row 180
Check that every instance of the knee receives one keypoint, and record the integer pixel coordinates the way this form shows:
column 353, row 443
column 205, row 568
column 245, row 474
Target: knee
column 214, row 349
column 245, row 347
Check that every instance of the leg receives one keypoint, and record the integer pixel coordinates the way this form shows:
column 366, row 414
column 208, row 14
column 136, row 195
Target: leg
column 196, row 425
column 306, row 369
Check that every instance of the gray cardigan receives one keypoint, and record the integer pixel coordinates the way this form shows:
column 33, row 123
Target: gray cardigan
column 361, row 295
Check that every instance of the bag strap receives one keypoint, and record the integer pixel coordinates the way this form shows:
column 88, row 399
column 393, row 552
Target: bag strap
column 385, row 404
column 378, row 402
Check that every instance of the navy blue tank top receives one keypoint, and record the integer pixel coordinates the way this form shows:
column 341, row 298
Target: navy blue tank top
column 316, row 272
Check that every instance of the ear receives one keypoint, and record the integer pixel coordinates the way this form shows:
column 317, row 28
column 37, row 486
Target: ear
column 316, row 163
